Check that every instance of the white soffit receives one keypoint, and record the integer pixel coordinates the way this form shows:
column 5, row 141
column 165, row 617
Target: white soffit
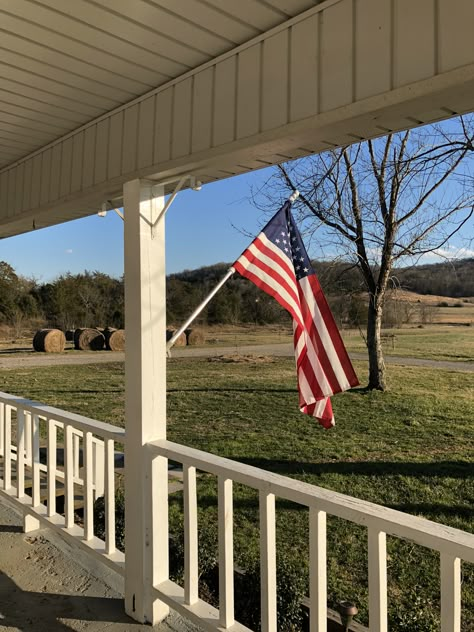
column 65, row 62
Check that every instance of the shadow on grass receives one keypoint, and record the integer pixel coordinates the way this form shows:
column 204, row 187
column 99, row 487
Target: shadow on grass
column 226, row 389
column 15, row 351
column 434, row 469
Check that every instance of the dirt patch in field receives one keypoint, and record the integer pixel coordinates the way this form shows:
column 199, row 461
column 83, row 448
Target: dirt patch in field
column 242, row 359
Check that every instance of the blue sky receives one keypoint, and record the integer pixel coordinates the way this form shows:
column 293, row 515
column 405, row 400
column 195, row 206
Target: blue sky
column 202, row 228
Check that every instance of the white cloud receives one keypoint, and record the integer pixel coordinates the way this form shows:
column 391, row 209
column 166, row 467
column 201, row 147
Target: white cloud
column 453, row 252
column 68, row 251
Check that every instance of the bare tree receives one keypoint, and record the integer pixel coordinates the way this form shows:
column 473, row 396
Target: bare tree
column 382, row 201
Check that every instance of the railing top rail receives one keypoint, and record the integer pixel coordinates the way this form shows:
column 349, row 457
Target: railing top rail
column 420, row 530
column 78, row 421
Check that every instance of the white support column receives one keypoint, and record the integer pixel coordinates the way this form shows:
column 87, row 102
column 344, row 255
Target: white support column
column 146, row 488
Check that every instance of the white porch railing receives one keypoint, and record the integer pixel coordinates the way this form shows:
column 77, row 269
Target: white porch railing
column 24, row 425
column 452, row 544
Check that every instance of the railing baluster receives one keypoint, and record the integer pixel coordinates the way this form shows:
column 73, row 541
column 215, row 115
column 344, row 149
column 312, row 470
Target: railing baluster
column 226, row 553
column 28, row 436
column 68, row 476
column 2, row 427
column 268, row 562
column 317, row 570
column 20, row 453
column 7, row 448
column 88, row 487
column 450, row 593
column 191, row 562
column 377, row 544
column 109, row 497
column 51, row 459
column 98, row 467
column 76, row 442
column 35, row 459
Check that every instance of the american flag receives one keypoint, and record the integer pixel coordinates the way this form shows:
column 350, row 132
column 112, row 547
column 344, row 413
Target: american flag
column 277, row 262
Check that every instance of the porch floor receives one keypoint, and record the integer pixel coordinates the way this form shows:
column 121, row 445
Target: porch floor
column 45, row 587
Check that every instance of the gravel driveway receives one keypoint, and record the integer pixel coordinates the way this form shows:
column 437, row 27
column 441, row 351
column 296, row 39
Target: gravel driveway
column 23, row 358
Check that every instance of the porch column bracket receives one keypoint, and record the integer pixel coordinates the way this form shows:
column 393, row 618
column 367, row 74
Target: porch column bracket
column 193, row 183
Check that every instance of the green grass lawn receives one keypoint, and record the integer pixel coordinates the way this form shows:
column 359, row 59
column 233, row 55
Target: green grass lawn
column 454, row 343
column 410, row 448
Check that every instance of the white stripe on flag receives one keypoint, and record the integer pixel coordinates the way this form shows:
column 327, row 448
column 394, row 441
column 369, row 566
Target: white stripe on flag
column 324, row 334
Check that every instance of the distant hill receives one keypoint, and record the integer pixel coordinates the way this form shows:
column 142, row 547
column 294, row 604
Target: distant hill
column 239, row 301
column 452, row 278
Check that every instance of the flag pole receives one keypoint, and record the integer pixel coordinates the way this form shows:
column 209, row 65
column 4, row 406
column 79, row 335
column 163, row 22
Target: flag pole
column 199, row 309
column 202, row 305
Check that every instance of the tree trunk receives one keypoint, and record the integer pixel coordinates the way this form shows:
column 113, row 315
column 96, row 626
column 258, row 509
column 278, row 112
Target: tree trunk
column 377, row 378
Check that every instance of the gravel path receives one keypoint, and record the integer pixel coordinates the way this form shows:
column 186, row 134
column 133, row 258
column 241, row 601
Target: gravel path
column 22, row 359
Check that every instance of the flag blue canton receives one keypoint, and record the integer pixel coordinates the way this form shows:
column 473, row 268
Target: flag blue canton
column 283, row 233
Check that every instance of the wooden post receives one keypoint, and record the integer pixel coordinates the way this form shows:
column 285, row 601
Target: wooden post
column 377, row 541
column 146, row 509
column 317, row 570
column 268, row 562
column 450, row 593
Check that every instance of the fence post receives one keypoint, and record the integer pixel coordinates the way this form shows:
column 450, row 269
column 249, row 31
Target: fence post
column 146, row 530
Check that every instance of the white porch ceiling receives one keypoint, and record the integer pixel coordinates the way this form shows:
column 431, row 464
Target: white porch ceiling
column 96, row 93
column 64, row 63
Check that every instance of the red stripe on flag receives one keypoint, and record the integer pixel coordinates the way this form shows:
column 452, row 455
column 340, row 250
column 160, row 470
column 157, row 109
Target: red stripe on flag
column 333, row 331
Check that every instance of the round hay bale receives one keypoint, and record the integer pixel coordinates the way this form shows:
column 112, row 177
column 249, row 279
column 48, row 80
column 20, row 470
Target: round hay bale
column 180, row 342
column 69, row 335
column 91, row 340
column 49, row 340
column 108, row 331
column 77, row 333
column 195, row 337
column 115, row 340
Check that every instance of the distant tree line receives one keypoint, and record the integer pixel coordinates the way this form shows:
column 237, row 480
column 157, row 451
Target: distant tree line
column 453, row 278
column 88, row 299
column 92, row 299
